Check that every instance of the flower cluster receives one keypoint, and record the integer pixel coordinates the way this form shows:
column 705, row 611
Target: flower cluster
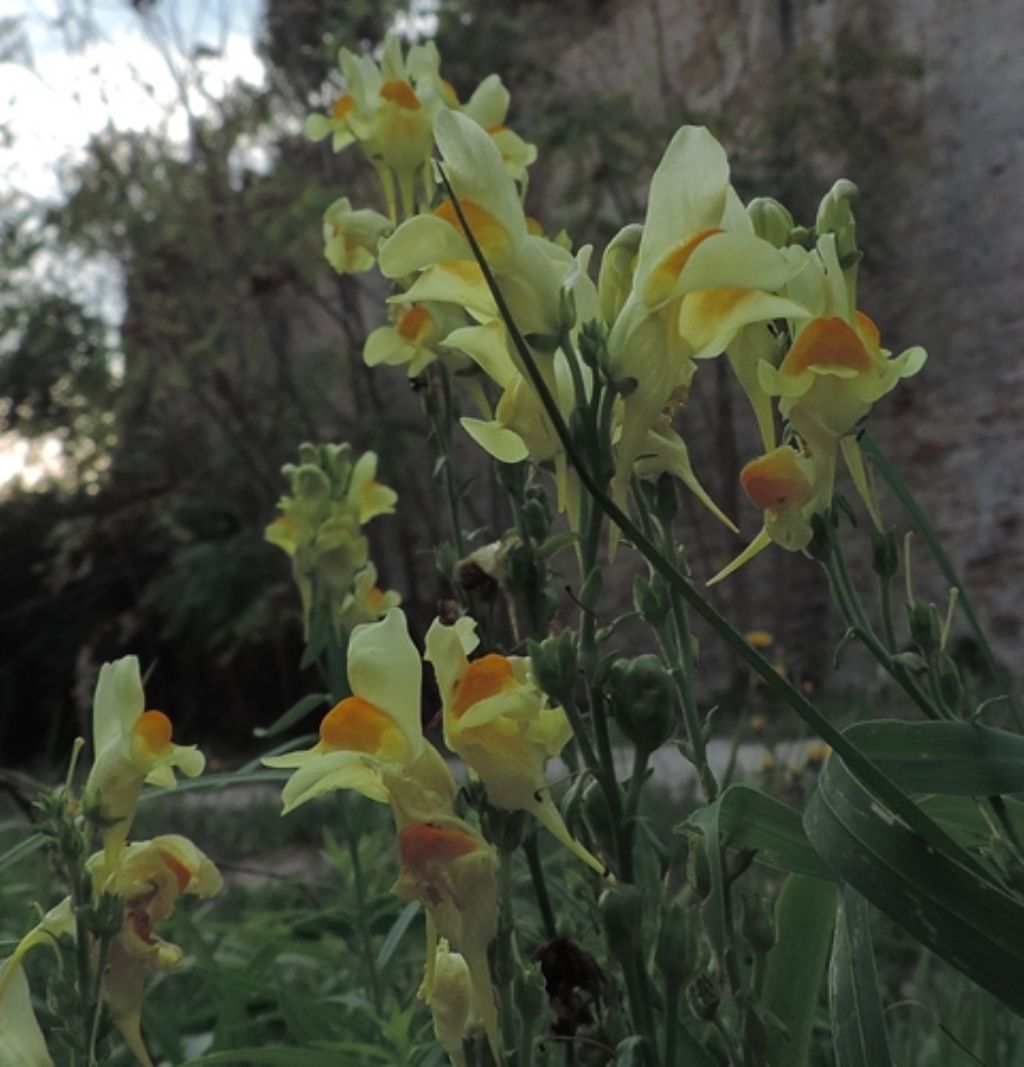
column 130, row 887
column 320, row 527
column 703, row 276
column 372, row 741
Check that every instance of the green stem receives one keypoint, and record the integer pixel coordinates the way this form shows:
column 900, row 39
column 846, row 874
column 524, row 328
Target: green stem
column 672, row 991
column 369, row 960
column 540, row 887
column 442, row 423
column 921, row 524
column 504, row 969
column 853, row 612
column 872, row 777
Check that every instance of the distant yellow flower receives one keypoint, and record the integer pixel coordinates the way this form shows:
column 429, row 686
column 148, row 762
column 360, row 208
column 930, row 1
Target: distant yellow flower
column 529, row 269
column 132, row 746
column 333, row 495
column 759, row 638
column 499, row 722
column 351, row 237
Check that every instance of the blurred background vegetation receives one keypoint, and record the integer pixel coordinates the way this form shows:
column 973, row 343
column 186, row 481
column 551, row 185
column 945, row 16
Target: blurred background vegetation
column 233, row 341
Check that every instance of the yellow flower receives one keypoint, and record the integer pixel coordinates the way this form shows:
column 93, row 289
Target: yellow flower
column 319, row 526
column 351, row 237
column 367, row 602
column 452, row 871
column 529, row 269
column 149, row 877
column 789, row 487
column 448, row 991
column 498, row 721
column 375, row 730
column 700, row 275
column 414, row 338
column 131, row 746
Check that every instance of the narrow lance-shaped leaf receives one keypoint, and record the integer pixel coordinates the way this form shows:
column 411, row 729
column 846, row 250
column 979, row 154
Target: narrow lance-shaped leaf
column 804, row 916
column 859, row 1036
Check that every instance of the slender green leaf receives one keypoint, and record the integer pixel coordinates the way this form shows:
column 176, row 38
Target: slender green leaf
column 20, row 851
column 804, row 916
column 396, row 933
column 750, row 819
column 858, row 1024
column 296, row 713
column 969, row 921
column 349, row 1052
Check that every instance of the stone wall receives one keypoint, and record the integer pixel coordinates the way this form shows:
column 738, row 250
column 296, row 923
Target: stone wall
column 934, row 135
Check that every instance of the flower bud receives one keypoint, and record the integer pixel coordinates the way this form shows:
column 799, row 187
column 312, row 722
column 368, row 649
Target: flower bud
column 698, row 874
column 925, row 627
column 951, row 688
column 593, row 344
column 676, row 953
column 772, row 222
column 535, row 515
column 621, row 919
column 885, row 556
column 642, row 701
column 504, row 829
column 553, row 665
column 598, row 818
column 835, row 215
column 651, row 599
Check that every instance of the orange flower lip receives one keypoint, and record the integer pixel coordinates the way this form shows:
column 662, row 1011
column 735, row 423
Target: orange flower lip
column 775, row 482
column 414, row 324
column 488, row 230
column 355, row 725
column 828, row 343
column 182, row 875
column 484, row 678
column 401, row 93
column 665, row 275
column 342, row 106
column 423, row 844
column 155, row 730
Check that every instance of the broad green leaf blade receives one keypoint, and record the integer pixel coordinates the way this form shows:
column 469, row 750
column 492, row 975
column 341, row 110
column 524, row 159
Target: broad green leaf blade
column 296, row 713
column 750, row 819
column 952, row 758
column 969, row 921
column 859, row 1036
column 804, row 916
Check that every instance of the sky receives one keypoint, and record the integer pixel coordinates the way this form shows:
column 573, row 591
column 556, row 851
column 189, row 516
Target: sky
column 86, row 65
